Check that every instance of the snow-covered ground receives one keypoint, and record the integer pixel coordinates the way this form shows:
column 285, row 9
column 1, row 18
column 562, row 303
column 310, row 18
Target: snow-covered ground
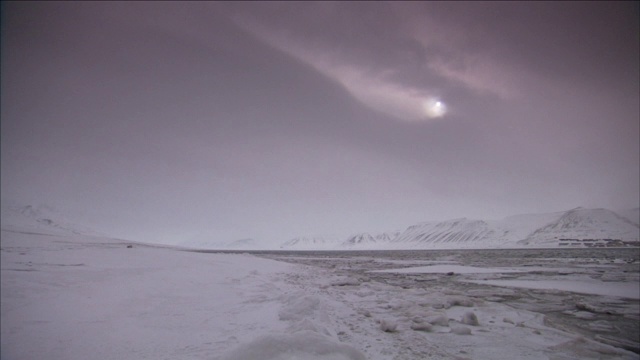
column 81, row 297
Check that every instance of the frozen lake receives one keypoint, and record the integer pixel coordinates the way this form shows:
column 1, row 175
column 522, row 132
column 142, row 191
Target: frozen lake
column 590, row 292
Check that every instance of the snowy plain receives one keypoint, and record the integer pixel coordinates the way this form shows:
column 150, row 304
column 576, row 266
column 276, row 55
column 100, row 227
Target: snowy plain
column 71, row 296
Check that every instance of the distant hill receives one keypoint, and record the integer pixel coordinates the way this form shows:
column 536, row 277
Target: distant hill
column 366, row 240
column 242, row 244
column 583, row 224
column 632, row 215
column 450, row 233
column 40, row 219
column 311, row 243
column 564, row 228
column 575, row 227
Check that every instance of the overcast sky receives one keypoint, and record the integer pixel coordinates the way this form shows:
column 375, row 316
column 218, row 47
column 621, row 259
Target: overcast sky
column 171, row 122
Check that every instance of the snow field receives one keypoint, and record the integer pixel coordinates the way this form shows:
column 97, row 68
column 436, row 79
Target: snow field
column 77, row 297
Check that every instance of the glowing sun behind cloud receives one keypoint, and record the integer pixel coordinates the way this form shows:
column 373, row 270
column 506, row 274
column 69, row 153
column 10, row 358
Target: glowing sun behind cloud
column 373, row 87
column 435, row 108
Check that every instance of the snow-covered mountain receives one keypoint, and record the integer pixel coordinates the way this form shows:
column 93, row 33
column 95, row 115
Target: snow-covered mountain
column 580, row 224
column 576, row 227
column 359, row 239
column 242, row 244
column 596, row 226
column 203, row 242
column 454, row 233
column 311, row 243
column 519, row 227
column 366, row 240
column 632, row 215
column 39, row 219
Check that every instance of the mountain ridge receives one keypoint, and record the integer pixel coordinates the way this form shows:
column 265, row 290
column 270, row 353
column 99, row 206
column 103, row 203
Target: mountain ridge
column 39, row 219
column 575, row 227
column 599, row 227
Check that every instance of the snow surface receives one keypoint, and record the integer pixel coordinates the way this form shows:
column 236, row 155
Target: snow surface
column 78, row 297
column 70, row 296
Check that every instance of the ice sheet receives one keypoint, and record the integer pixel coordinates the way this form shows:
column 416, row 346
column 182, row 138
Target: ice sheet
column 628, row 290
column 444, row 269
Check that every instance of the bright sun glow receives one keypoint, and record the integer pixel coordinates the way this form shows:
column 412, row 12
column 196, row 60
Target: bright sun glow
column 434, row 108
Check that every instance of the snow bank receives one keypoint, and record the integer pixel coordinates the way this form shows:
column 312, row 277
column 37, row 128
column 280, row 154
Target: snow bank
column 306, row 345
column 308, row 335
column 299, row 308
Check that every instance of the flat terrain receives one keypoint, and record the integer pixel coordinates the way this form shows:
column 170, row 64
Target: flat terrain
column 75, row 297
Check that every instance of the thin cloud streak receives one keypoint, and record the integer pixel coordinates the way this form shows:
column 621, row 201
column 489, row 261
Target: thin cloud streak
column 455, row 53
column 373, row 87
column 386, row 86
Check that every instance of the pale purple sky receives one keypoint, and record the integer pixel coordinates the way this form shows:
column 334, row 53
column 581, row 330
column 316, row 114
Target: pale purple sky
column 177, row 121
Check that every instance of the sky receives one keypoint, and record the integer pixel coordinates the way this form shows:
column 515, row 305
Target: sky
column 178, row 122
